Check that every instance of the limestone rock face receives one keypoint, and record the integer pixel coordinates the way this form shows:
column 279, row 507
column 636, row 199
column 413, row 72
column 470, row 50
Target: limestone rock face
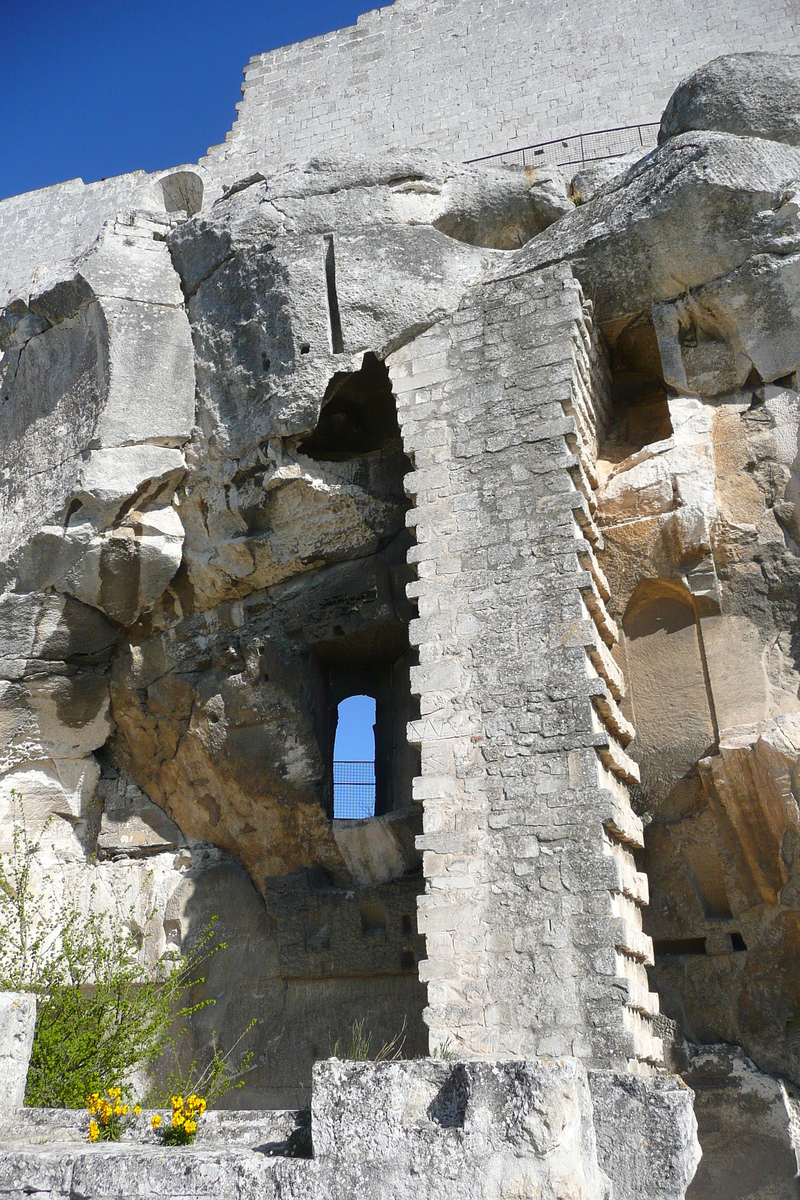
column 748, row 1125
column 17, row 1021
column 751, row 95
column 205, row 546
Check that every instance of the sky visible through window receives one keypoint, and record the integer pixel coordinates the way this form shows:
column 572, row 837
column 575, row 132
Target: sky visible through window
column 353, row 760
column 355, row 739
column 94, row 88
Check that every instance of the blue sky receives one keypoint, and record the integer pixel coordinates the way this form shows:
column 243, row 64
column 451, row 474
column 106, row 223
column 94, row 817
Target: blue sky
column 355, row 739
column 93, row 88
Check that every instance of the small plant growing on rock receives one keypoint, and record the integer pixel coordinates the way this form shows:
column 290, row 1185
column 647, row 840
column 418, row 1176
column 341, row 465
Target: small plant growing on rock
column 108, row 1114
column 358, row 1044
column 182, row 1129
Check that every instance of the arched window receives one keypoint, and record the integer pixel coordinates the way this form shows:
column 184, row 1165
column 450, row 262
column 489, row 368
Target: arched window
column 354, row 759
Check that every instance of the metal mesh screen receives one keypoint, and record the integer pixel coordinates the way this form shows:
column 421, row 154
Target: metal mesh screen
column 353, row 790
column 583, row 148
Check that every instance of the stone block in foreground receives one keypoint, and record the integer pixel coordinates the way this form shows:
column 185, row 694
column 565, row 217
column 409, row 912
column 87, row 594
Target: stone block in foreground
column 428, row 1129
column 17, row 1022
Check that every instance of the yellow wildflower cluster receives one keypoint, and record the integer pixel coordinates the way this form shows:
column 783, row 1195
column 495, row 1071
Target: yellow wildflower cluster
column 186, row 1112
column 185, row 1115
column 107, row 1112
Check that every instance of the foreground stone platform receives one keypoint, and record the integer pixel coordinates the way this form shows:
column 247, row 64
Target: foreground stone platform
column 427, row 1129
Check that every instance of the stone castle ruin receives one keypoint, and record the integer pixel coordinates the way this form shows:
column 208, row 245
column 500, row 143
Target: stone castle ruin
column 512, row 449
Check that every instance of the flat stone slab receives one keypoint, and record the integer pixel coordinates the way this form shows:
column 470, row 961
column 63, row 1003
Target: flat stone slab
column 261, row 1131
column 119, row 1171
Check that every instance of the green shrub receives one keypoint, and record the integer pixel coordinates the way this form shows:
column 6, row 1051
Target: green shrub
column 101, row 1012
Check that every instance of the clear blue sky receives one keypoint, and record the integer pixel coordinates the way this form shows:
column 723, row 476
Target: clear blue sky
column 93, row 88
column 355, row 739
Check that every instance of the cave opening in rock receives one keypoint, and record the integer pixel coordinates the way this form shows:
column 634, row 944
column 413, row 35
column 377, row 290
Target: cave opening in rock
column 354, row 759
column 358, row 415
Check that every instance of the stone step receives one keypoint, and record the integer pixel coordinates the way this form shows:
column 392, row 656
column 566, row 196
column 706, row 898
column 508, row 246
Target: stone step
column 124, row 1171
column 244, row 1128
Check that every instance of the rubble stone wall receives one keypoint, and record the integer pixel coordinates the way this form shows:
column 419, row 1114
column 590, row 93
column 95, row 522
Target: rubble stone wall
column 532, row 914
column 469, row 78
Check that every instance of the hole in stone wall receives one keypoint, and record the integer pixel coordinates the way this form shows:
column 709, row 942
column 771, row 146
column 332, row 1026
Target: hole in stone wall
column 738, row 943
column 357, row 416
column 354, row 759
column 665, row 948
column 373, row 665
column 373, row 920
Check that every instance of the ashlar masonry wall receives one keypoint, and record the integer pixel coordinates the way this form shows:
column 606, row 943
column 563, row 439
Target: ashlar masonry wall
column 465, row 78
column 532, row 907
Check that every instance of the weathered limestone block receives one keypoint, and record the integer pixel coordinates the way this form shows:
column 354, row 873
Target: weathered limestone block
column 748, row 1128
column 751, row 95
column 17, row 1022
column 752, row 780
column 431, row 1129
column 749, row 319
column 694, row 210
column 646, row 1134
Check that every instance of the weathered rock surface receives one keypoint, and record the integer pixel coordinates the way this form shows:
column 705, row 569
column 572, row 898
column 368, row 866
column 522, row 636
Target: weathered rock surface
column 205, row 547
column 383, row 1130
column 748, row 1127
column 751, row 95
column 17, row 1021
column 646, row 1135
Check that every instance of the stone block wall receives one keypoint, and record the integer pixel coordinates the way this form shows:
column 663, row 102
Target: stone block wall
column 467, row 78
column 532, row 911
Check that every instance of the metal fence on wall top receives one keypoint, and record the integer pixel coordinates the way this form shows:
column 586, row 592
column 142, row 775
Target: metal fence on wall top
column 580, row 149
column 353, row 789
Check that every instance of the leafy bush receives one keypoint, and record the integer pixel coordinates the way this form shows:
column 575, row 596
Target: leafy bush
column 101, row 1012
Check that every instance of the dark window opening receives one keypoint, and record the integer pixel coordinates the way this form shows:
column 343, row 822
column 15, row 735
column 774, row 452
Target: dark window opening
column 738, row 943
column 354, row 759
column 680, row 946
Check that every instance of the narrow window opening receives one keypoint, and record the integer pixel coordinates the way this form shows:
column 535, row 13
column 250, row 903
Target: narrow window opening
column 738, row 943
column 354, row 759
column 337, row 341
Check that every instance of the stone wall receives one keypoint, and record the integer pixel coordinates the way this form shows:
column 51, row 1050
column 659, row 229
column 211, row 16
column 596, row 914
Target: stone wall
column 470, row 78
column 532, row 912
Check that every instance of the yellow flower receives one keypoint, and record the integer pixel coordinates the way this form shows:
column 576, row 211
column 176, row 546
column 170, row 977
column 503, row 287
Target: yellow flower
column 177, row 1101
column 201, row 1106
column 115, row 1091
column 178, row 1118
column 155, row 1121
column 190, row 1126
column 137, row 1110
column 94, row 1131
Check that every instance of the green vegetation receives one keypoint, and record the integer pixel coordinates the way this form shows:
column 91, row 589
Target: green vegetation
column 102, row 1012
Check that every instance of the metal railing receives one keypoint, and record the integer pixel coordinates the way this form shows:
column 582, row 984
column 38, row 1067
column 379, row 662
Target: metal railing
column 580, row 149
column 353, row 789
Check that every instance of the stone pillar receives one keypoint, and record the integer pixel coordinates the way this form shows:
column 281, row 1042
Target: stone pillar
column 17, row 1022
column 532, row 906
